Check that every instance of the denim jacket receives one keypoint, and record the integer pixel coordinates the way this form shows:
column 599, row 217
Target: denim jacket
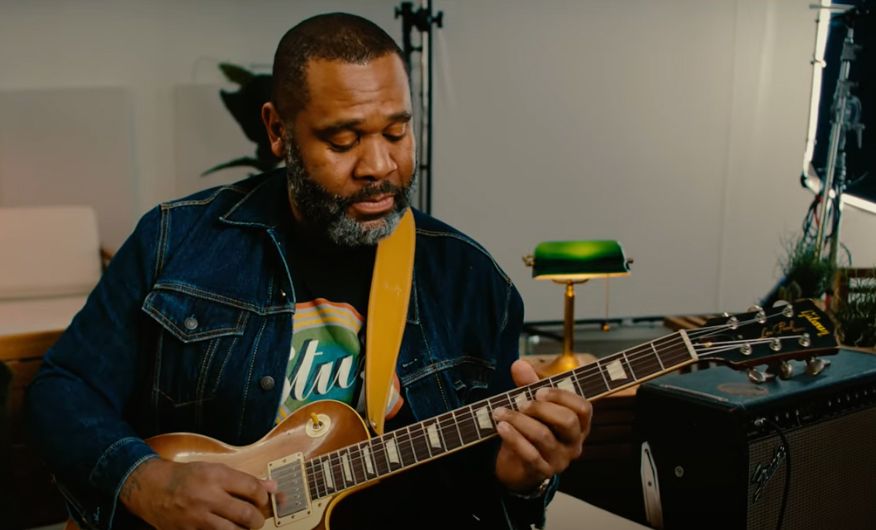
column 190, row 328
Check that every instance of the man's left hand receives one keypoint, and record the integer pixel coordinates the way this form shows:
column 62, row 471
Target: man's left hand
column 543, row 437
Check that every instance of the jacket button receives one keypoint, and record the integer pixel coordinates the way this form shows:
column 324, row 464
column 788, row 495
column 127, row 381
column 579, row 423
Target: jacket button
column 191, row 323
column 266, row 382
column 282, row 294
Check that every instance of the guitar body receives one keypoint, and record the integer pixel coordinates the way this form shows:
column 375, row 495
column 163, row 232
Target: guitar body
column 341, row 426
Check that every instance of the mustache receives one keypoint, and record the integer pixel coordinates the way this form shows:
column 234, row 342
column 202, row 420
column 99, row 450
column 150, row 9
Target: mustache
column 383, row 188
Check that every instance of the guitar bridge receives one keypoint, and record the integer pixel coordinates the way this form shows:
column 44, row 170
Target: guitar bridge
column 292, row 484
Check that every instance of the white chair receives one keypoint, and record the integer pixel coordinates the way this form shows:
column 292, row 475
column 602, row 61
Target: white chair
column 51, row 261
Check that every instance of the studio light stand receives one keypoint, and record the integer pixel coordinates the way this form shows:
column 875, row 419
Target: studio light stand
column 422, row 20
column 846, row 113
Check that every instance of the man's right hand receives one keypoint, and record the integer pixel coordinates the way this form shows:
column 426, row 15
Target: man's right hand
column 175, row 496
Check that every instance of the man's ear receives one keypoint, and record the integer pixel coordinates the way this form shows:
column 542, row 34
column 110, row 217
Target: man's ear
column 275, row 128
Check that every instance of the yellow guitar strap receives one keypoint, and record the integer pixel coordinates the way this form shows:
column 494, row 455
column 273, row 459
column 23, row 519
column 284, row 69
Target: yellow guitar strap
column 387, row 314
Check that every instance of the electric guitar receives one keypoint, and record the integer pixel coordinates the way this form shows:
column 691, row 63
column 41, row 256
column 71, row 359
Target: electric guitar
column 323, row 452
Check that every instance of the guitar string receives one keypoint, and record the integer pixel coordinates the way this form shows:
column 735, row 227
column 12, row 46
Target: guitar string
column 464, row 420
column 405, row 435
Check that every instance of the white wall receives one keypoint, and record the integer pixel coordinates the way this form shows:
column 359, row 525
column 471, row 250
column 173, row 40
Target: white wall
column 675, row 126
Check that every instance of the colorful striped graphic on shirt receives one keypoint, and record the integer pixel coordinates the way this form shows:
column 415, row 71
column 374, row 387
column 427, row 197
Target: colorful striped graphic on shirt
column 325, row 358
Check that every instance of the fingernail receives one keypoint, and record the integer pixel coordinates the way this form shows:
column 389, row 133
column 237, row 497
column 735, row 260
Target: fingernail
column 500, row 413
column 541, row 393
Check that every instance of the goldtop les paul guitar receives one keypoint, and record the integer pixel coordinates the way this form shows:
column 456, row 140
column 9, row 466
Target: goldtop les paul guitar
column 323, row 451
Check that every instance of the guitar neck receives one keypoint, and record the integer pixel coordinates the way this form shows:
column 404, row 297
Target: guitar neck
column 418, row 443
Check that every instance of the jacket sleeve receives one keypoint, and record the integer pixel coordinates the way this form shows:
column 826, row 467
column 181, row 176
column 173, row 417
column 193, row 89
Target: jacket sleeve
column 76, row 404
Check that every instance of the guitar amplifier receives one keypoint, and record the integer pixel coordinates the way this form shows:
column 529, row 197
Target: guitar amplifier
column 722, row 452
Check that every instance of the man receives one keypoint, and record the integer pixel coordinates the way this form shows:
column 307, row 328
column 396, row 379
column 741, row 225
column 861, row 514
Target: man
column 217, row 298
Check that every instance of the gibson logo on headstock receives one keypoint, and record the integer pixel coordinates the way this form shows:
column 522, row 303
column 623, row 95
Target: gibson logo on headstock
column 815, row 320
column 791, row 328
column 781, row 329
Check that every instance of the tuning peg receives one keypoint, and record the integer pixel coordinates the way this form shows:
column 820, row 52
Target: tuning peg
column 760, row 314
column 733, row 322
column 805, row 340
column 759, row 377
column 786, row 370
column 776, row 344
column 788, row 311
column 816, row 365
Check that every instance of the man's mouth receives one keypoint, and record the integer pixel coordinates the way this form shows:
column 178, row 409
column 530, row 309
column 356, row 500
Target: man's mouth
column 374, row 206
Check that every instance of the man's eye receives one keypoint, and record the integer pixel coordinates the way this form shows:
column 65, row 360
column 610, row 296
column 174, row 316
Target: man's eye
column 341, row 148
column 343, row 142
column 396, row 132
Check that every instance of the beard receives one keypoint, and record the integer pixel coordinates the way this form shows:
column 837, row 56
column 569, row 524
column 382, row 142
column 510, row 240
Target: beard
column 326, row 212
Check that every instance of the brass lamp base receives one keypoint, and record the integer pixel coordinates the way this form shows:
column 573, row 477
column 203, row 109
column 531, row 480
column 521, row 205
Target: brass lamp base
column 550, row 365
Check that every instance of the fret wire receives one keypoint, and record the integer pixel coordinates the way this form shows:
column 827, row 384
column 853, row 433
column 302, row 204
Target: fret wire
column 630, row 366
column 458, row 430
column 337, row 478
column 382, row 463
column 318, row 483
column 464, row 423
column 436, row 429
column 358, row 464
column 407, row 447
column 418, row 442
column 657, row 355
column 368, row 459
column 468, row 425
column 311, row 481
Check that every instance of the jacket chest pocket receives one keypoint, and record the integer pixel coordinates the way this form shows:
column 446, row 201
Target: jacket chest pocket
column 195, row 339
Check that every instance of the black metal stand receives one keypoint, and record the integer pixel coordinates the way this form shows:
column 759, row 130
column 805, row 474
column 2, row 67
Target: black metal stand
column 845, row 118
column 422, row 20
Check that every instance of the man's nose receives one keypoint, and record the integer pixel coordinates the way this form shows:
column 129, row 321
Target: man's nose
column 375, row 159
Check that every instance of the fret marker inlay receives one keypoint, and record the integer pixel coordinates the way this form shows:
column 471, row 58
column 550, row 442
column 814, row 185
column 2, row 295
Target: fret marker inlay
column 392, row 451
column 327, row 471
column 520, row 399
column 366, row 455
column 484, row 421
column 566, row 384
column 616, row 370
column 433, row 436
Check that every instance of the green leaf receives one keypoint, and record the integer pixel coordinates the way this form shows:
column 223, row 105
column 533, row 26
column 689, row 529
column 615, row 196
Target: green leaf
column 236, row 74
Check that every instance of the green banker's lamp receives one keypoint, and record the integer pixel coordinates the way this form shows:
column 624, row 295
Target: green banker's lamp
column 568, row 263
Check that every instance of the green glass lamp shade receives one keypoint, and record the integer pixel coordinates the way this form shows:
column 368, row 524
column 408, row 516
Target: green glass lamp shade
column 579, row 260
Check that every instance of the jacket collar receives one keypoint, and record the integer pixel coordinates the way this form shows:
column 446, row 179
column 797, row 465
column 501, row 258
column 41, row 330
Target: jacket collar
column 265, row 206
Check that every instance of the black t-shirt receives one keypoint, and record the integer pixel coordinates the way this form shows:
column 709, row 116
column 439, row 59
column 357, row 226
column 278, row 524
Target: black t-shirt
column 332, row 287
